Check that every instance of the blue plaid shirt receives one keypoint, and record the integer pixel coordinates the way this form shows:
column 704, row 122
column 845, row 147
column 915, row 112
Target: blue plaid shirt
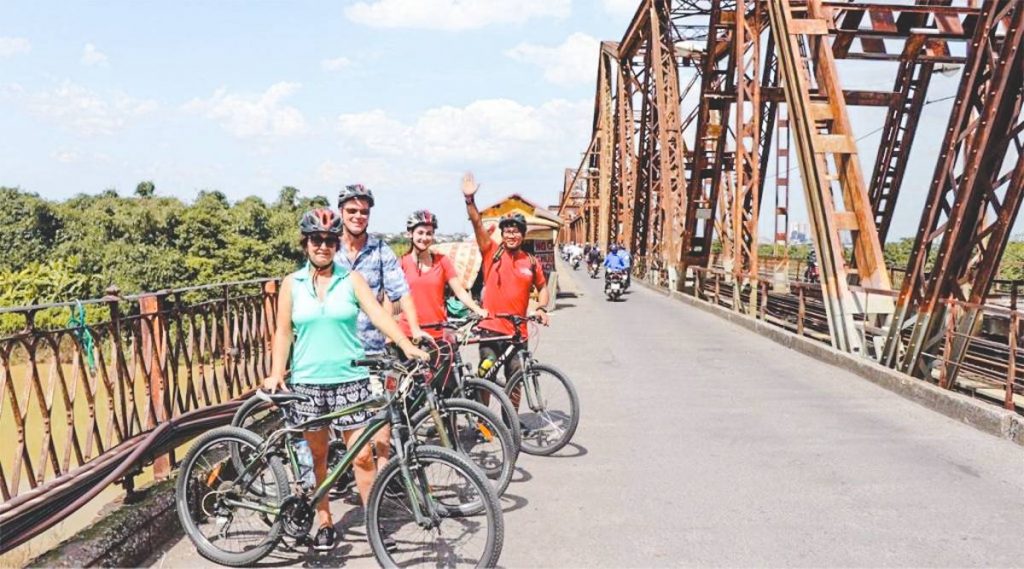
column 379, row 266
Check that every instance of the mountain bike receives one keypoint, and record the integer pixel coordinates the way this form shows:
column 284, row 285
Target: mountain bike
column 432, row 503
column 462, row 380
column 460, row 424
column 552, row 411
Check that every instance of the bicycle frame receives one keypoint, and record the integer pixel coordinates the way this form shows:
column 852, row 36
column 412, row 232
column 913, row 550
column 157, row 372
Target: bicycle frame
column 389, row 415
column 519, row 348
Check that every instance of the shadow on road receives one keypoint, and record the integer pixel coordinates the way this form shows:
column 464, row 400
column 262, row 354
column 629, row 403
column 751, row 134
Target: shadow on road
column 520, row 474
column 576, row 451
column 511, row 502
column 559, row 305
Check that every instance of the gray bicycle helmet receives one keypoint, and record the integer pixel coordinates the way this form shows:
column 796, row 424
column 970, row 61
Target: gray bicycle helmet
column 516, row 219
column 355, row 191
column 420, row 217
column 320, row 220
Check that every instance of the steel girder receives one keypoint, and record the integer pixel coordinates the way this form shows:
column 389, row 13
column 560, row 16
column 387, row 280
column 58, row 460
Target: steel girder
column 660, row 175
column 912, row 79
column 604, row 129
column 747, row 203
column 710, row 162
column 973, row 201
column 624, row 159
column 833, row 185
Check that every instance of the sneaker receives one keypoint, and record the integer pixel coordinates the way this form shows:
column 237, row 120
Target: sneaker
column 325, row 538
column 389, row 544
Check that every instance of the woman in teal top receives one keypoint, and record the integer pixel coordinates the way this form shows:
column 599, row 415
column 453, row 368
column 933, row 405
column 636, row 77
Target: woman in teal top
column 317, row 307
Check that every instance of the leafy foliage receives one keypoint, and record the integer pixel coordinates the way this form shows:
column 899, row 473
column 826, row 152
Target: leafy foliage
column 57, row 251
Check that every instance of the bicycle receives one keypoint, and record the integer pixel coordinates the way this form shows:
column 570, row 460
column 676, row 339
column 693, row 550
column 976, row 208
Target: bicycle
column 552, row 411
column 460, row 424
column 435, row 506
column 466, row 383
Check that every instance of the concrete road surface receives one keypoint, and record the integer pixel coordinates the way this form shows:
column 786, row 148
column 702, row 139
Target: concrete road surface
column 703, row 444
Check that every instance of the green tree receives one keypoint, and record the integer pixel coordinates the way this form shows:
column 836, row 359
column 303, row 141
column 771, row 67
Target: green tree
column 29, row 227
column 145, row 189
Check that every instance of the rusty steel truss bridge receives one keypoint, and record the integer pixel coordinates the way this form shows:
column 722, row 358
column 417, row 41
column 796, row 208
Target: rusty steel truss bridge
column 698, row 98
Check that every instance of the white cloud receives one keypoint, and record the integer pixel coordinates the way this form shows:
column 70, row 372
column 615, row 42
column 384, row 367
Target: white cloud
column 10, row 47
column 621, row 7
column 87, row 112
column 452, row 14
column 67, row 156
column 572, row 62
column 93, row 57
column 246, row 116
column 336, row 64
column 485, row 131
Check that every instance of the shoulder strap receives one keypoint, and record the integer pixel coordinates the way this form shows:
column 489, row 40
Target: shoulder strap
column 501, row 249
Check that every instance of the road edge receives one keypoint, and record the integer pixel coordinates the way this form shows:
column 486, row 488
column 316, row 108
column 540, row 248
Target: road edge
column 982, row 416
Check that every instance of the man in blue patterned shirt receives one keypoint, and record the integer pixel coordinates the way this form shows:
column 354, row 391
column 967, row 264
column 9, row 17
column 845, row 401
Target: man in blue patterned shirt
column 375, row 260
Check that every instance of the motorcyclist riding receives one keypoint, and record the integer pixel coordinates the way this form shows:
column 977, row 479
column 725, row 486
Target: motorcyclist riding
column 811, row 272
column 594, row 259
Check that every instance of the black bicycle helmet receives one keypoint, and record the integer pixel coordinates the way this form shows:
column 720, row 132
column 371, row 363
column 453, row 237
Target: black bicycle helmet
column 354, row 191
column 420, row 217
column 516, row 219
column 320, row 220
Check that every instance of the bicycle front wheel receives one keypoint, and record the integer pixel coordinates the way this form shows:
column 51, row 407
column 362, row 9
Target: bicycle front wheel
column 476, row 432
column 492, row 396
column 230, row 514
column 445, row 485
column 549, row 408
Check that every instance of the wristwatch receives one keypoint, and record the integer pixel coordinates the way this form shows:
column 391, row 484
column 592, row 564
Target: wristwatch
column 470, row 200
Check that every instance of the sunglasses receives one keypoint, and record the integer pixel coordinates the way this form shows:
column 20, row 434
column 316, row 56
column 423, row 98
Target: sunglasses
column 318, row 240
column 356, row 210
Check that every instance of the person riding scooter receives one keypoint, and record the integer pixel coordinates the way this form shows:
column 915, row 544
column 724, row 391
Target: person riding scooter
column 811, row 272
column 594, row 259
column 613, row 262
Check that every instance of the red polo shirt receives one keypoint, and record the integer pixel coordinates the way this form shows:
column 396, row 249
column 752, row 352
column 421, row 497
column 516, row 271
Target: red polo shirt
column 507, row 284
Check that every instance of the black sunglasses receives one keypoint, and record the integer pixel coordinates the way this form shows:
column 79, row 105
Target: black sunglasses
column 318, row 240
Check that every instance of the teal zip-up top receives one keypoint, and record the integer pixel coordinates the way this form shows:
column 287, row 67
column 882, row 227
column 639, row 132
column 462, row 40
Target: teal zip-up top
column 325, row 336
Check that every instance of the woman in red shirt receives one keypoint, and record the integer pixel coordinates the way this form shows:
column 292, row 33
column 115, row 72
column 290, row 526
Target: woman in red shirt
column 427, row 274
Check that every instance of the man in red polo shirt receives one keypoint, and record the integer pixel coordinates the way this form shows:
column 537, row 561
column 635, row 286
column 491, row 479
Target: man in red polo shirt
column 509, row 274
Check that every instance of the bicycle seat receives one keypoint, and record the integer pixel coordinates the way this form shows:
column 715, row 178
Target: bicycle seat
column 281, row 398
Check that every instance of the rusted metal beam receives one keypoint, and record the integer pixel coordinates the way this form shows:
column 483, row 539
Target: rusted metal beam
column 624, row 162
column 747, row 203
column 605, row 146
column 670, row 147
column 833, row 186
column 973, row 201
column 710, row 163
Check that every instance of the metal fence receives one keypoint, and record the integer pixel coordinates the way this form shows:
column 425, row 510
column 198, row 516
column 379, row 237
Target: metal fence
column 74, row 396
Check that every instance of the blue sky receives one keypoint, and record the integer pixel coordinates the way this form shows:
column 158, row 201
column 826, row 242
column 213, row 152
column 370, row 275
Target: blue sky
column 246, row 97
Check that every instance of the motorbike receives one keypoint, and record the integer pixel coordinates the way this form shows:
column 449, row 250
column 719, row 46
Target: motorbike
column 595, row 269
column 811, row 274
column 614, row 285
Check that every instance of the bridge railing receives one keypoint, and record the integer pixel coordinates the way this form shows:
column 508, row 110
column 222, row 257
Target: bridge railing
column 993, row 366
column 73, row 396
